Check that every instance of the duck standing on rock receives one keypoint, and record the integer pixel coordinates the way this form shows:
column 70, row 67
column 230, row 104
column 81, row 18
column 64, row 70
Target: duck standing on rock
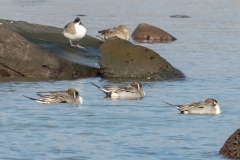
column 120, row 32
column 209, row 106
column 75, row 31
column 130, row 91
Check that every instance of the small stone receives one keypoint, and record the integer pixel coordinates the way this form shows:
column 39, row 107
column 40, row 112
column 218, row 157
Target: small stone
column 179, row 16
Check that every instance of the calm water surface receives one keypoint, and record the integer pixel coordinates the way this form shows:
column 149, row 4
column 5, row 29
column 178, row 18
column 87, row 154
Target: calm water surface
column 207, row 51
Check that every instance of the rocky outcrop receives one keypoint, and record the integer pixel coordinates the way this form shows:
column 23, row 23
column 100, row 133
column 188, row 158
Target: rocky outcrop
column 121, row 58
column 38, row 51
column 231, row 147
column 147, row 32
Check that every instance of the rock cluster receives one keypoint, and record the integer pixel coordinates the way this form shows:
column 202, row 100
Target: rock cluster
column 38, row 51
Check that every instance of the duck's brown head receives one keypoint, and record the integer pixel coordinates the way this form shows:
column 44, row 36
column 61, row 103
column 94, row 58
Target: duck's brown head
column 212, row 101
column 137, row 85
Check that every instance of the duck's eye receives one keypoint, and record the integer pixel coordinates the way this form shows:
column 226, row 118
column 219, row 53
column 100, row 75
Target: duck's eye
column 76, row 93
column 215, row 101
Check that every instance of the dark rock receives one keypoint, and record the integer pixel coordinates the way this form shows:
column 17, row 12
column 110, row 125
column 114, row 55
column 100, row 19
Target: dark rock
column 121, row 58
column 147, row 32
column 38, row 51
column 231, row 147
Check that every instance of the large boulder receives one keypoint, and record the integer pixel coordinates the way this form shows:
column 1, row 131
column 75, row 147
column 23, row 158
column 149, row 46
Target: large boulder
column 121, row 58
column 231, row 147
column 148, row 32
column 38, row 51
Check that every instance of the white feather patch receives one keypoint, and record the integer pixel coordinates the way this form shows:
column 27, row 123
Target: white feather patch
column 185, row 112
column 114, row 95
column 81, row 100
column 218, row 111
column 80, row 32
column 43, row 102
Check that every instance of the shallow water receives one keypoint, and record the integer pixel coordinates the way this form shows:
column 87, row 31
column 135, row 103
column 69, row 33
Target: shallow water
column 206, row 50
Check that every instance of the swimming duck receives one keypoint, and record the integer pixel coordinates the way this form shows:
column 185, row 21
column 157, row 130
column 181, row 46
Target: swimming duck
column 120, row 32
column 130, row 91
column 75, row 31
column 209, row 106
column 69, row 96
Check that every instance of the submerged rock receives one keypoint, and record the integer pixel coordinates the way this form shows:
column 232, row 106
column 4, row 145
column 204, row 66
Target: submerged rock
column 121, row 58
column 38, row 51
column 231, row 147
column 148, row 32
column 179, row 16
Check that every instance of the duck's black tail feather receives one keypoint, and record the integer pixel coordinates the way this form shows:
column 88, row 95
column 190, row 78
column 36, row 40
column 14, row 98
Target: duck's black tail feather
column 95, row 85
column 30, row 98
column 169, row 103
column 177, row 106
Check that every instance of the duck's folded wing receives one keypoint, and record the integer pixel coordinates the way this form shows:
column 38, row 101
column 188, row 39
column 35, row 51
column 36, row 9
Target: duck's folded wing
column 113, row 89
column 127, row 88
column 189, row 106
column 51, row 92
column 106, row 31
column 53, row 98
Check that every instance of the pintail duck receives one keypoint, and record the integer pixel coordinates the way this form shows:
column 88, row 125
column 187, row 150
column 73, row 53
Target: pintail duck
column 130, row 91
column 69, row 96
column 120, row 32
column 209, row 106
column 75, row 31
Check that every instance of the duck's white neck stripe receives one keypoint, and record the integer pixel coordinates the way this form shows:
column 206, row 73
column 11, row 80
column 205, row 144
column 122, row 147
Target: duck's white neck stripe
column 218, row 111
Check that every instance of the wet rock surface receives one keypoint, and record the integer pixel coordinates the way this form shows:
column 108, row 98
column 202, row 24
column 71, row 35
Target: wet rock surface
column 231, row 147
column 151, row 33
column 121, row 58
column 38, row 51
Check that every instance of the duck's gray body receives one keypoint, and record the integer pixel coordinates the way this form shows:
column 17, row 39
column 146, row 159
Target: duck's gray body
column 69, row 96
column 130, row 91
column 209, row 106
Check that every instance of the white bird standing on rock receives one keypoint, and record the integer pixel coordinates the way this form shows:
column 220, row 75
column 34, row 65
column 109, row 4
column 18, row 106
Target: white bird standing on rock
column 75, row 31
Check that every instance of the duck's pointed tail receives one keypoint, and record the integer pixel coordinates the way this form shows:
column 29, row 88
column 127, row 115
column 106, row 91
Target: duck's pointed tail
column 177, row 106
column 107, row 92
column 95, row 85
column 38, row 100
column 30, row 98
